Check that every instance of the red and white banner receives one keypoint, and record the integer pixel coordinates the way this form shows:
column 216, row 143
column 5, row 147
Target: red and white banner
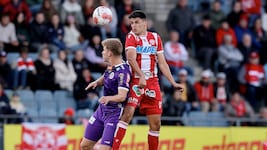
column 43, row 136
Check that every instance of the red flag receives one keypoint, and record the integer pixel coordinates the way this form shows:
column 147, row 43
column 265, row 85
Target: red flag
column 43, row 136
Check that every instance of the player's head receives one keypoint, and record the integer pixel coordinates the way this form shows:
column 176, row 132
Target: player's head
column 112, row 47
column 138, row 22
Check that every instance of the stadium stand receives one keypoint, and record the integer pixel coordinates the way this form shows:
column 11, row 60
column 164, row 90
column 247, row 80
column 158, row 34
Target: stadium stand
column 63, row 100
column 47, row 106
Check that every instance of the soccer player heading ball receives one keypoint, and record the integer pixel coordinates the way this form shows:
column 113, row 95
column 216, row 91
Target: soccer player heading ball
column 116, row 86
column 144, row 50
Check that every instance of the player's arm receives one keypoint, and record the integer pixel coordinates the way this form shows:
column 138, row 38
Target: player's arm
column 98, row 82
column 123, row 88
column 120, row 97
column 164, row 68
column 131, row 57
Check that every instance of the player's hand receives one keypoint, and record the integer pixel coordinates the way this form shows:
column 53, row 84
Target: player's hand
column 178, row 86
column 91, row 85
column 103, row 100
column 142, row 82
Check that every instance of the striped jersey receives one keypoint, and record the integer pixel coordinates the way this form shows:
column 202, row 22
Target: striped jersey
column 147, row 47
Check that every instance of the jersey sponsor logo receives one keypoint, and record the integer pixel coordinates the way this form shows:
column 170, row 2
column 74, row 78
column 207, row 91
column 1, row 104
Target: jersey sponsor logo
column 152, row 42
column 111, row 75
column 146, row 49
column 147, row 75
column 132, row 100
column 150, row 93
column 91, row 120
column 138, row 92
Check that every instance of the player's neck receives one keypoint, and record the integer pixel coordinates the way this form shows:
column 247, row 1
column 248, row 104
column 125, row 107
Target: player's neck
column 144, row 33
column 116, row 61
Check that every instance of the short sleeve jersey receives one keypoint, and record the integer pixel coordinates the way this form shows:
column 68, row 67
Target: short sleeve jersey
column 147, row 47
column 116, row 78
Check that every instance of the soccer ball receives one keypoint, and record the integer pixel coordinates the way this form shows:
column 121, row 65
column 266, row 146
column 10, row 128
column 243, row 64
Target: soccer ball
column 102, row 15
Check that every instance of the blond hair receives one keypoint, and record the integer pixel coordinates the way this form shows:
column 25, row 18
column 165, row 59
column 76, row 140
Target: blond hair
column 114, row 45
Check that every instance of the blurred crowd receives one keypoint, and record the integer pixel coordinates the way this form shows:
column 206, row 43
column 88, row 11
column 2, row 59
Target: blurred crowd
column 226, row 37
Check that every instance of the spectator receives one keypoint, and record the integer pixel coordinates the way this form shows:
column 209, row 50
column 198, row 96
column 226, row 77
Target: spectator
column 176, row 107
column 73, row 38
column 45, row 71
column 253, row 8
column 16, row 6
column 65, row 75
column 230, row 59
column 243, row 28
column 80, row 63
column 24, row 69
column 5, row 108
column 5, row 71
column 264, row 18
column 22, row 29
column 234, row 16
column 110, row 30
column 216, row 14
column 90, row 29
column 225, row 29
column 72, row 7
column 181, row 19
column 88, row 8
column 221, row 91
column 3, row 3
column 189, row 94
column 94, row 54
column 48, row 9
column 238, row 107
column 258, row 33
column 8, row 38
column 85, row 99
column 123, row 8
column 251, row 76
column 124, row 28
column 265, row 84
column 263, row 117
column 175, row 53
column 18, row 106
column 56, row 32
column 205, row 43
column 39, row 33
column 34, row 5
column 68, row 117
column 246, row 47
column 205, row 91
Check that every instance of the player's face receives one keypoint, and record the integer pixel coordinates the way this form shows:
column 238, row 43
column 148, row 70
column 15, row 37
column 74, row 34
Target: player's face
column 138, row 25
column 106, row 54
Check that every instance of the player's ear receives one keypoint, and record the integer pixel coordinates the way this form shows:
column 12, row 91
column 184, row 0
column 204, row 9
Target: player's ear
column 110, row 53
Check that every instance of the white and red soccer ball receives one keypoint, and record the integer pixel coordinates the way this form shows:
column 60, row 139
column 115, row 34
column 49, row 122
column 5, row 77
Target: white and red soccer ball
column 102, row 15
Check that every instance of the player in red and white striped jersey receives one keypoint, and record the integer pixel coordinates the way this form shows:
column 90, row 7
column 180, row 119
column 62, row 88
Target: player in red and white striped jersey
column 144, row 52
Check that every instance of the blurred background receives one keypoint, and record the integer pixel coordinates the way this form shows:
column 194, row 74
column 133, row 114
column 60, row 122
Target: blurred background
column 50, row 50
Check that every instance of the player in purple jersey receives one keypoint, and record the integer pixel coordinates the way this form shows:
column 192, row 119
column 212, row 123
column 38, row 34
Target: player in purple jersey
column 116, row 86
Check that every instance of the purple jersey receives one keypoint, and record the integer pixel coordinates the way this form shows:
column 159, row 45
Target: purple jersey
column 103, row 122
column 117, row 77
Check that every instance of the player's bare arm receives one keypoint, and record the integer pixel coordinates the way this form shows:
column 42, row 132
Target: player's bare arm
column 164, row 68
column 98, row 82
column 131, row 57
column 120, row 97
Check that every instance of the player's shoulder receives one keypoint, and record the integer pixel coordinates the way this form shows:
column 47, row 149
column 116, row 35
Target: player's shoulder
column 150, row 33
column 131, row 35
column 123, row 68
